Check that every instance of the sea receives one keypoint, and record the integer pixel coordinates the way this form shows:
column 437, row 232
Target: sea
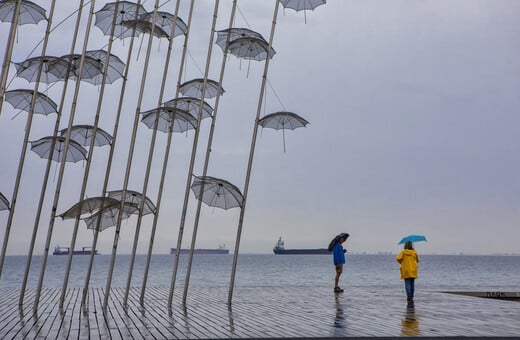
column 438, row 272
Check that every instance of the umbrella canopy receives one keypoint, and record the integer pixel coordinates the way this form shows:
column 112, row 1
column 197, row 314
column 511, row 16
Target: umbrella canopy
column 92, row 68
column 109, row 215
column 250, row 48
column 217, row 192
column 302, row 5
column 281, row 121
column 53, row 69
column 145, row 26
column 30, row 13
column 336, row 239
column 123, row 10
column 116, row 67
column 21, row 99
column 83, row 135
column 135, row 198
column 412, row 238
column 4, row 203
column 164, row 20
column 44, row 145
column 191, row 105
column 235, row 33
column 193, row 88
column 88, row 206
column 183, row 121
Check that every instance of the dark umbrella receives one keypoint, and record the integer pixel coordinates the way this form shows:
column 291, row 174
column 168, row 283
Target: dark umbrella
column 336, row 239
column 44, row 145
column 281, row 121
column 83, row 135
column 194, row 87
column 183, row 120
column 123, row 10
column 21, row 99
column 30, row 13
column 250, row 48
column 217, row 192
column 235, row 33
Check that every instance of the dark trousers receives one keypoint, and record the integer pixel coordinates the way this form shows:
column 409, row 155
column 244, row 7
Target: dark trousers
column 409, row 285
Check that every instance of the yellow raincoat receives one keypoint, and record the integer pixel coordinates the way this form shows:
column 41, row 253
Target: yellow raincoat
column 408, row 259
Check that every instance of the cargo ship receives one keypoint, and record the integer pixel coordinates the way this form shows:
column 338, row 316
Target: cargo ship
column 279, row 249
column 221, row 250
column 66, row 250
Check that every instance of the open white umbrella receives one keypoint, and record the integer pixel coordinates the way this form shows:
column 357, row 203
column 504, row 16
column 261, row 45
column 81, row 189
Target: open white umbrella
column 216, row 192
column 43, row 147
column 30, row 13
column 21, row 99
column 282, row 120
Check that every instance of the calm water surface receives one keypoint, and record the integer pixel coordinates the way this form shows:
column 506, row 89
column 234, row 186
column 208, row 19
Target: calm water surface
column 370, row 271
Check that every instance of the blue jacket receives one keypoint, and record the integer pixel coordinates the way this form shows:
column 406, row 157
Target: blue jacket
column 338, row 254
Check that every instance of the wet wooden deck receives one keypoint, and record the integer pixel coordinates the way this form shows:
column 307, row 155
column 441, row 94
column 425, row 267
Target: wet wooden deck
column 257, row 312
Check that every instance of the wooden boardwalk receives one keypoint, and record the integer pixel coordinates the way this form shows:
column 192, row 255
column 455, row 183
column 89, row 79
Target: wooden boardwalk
column 257, row 312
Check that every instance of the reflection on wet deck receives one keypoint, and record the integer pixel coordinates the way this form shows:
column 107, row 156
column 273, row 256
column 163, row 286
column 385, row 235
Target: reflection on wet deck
column 257, row 312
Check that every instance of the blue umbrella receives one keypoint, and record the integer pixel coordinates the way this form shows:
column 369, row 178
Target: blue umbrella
column 413, row 238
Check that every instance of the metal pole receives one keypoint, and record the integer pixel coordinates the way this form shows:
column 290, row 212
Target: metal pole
column 251, row 154
column 63, row 162
column 150, row 158
column 193, row 154
column 25, row 143
column 129, row 160
column 166, row 154
column 7, row 60
column 48, row 167
column 89, row 158
column 208, row 153
column 109, row 162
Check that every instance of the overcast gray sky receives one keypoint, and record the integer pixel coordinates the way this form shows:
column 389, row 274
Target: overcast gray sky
column 414, row 128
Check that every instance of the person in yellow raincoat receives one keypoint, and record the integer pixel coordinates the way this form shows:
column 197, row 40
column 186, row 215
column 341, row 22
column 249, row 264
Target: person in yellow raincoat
column 408, row 259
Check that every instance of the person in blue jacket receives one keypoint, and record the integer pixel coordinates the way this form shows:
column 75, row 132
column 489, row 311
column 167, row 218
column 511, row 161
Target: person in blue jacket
column 338, row 253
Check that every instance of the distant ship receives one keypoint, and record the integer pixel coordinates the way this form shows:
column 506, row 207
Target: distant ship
column 66, row 250
column 221, row 250
column 279, row 249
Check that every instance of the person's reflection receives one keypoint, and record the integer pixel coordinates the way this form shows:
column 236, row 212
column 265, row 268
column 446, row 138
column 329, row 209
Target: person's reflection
column 339, row 319
column 410, row 323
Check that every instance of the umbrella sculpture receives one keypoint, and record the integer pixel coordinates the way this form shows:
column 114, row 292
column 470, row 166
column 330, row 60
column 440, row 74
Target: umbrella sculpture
column 134, row 197
column 164, row 21
column 235, row 33
column 30, row 13
column 88, row 206
column 123, row 11
column 43, row 146
column 83, row 135
column 282, row 121
column 183, row 120
column 194, row 87
column 92, row 68
column 21, row 99
column 412, row 238
column 217, row 192
column 4, row 203
column 250, row 48
column 302, row 5
column 145, row 26
column 53, row 69
column 191, row 105
column 116, row 67
column 107, row 217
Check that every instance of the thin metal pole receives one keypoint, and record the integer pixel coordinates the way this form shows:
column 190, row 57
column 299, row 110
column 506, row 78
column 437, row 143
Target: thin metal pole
column 150, row 157
column 63, row 161
column 24, row 145
column 251, row 154
column 7, row 60
column 193, row 154
column 110, row 158
column 166, row 154
column 89, row 157
column 208, row 153
column 129, row 160
column 49, row 164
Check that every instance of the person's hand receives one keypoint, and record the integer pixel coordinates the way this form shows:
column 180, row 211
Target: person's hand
column 344, row 251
